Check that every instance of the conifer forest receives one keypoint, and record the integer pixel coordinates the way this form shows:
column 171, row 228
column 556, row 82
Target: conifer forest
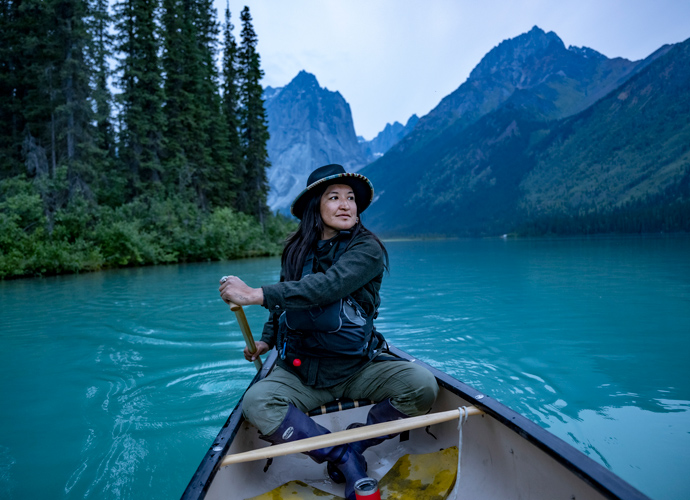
column 130, row 134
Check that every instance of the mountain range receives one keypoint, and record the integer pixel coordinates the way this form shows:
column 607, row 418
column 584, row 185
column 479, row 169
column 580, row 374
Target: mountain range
column 539, row 139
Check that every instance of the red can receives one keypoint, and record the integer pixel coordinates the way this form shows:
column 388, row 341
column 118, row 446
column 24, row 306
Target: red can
column 367, row 488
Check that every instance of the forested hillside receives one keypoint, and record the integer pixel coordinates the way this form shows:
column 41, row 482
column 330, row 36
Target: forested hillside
column 156, row 158
column 622, row 165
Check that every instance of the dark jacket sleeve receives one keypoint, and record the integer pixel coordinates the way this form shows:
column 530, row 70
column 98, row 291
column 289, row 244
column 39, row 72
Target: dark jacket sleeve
column 362, row 262
column 268, row 334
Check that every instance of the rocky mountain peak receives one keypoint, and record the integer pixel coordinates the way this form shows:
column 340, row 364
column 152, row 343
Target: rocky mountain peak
column 305, row 80
column 508, row 60
column 387, row 138
column 309, row 126
column 533, row 69
column 586, row 52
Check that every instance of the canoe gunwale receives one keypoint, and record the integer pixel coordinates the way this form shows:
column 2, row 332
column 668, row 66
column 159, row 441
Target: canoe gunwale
column 203, row 477
column 589, row 471
column 593, row 473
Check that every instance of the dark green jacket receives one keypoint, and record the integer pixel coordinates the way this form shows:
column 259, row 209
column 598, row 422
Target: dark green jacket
column 358, row 272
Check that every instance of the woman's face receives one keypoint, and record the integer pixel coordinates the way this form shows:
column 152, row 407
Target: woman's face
column 338, row 210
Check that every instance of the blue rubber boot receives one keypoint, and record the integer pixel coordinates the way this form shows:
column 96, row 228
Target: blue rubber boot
column 348, row 462
column 380, row 412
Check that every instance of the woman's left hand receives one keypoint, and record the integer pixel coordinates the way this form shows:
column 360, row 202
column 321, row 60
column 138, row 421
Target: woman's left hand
column 234, row 290
column 261, row 348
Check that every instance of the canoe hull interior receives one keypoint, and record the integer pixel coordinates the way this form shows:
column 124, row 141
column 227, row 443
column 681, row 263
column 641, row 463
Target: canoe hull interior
column 495, row 462
column 503, row 456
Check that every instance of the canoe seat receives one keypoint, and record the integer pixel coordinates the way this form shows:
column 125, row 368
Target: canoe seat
column 339, row 405
column 347, row 404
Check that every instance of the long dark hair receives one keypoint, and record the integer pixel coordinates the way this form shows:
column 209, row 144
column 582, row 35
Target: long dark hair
column 309, row 231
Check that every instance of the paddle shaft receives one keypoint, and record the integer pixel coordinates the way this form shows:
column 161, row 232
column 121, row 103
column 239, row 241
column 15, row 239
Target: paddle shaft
column 348, row 436
column 246, row 332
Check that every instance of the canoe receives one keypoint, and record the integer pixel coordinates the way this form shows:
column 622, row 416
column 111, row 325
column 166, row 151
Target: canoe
column 494, row 453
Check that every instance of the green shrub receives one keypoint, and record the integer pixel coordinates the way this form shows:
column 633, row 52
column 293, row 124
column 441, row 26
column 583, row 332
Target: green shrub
column 82, row 236
column 227, row 234
column 125, row 243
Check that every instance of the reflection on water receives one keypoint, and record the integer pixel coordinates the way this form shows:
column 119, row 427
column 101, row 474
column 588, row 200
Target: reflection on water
column 117, row 382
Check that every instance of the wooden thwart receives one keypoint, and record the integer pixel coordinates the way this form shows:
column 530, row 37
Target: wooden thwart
column 349, row 436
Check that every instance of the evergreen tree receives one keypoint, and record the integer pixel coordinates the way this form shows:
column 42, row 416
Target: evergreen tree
column 11, row 117
column 27, row 88
column 195, row 133
column 215, row 182
column 73, row 110
column 142, row 120
column 51, row 103
column 100, row 52
column 47, row 109
column 230, row 104
column 253, row 127
column 180, row 128
column 112, row 179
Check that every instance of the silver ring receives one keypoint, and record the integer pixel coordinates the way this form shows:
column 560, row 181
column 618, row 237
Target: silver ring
column 224, row 279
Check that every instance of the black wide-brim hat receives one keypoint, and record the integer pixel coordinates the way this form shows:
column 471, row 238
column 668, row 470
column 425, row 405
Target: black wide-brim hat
column 334, row 174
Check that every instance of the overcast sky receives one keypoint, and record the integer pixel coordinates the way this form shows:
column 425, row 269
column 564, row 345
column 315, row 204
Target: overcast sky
column 392, row 58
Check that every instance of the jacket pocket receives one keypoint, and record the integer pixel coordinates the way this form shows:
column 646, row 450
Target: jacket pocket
column 317, row 319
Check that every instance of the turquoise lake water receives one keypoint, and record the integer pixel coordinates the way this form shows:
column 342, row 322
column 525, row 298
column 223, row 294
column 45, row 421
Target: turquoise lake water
column 114, row 384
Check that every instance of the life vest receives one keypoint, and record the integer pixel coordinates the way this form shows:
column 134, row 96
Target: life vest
column 341, row 334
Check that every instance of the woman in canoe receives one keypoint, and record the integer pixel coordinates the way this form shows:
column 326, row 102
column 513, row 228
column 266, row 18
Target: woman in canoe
column 321, row 321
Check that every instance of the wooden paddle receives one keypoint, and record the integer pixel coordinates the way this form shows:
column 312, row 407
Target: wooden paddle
column 246, row 332
column 349, row 436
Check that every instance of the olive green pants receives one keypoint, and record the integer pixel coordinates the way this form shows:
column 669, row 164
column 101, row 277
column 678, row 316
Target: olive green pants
column 411, row 388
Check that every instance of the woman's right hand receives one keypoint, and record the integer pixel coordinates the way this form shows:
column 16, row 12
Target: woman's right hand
column 261, row 348
column 235, row 291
